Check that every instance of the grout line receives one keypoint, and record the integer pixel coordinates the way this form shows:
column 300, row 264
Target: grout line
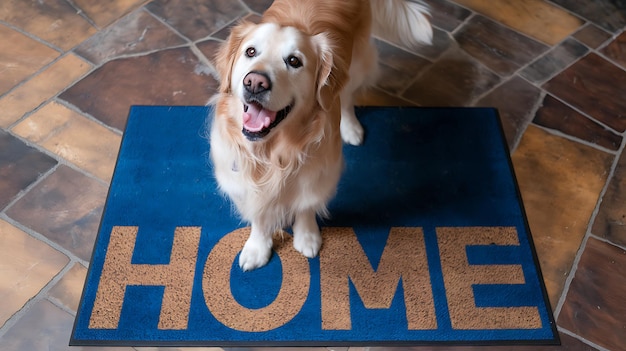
column 41, row 295
column 572, row 138
column 32, row 185
column 44, row 239
column 588, row 233
column 581, row 339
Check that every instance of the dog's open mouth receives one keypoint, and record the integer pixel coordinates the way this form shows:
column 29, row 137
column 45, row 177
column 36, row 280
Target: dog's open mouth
column 259, row 121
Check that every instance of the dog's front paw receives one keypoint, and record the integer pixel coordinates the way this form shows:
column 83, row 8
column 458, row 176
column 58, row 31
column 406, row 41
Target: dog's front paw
column 351, row 131
column 255, row 254
column 308, row 244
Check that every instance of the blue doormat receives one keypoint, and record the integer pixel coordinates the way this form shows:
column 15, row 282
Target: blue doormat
column 427, row 244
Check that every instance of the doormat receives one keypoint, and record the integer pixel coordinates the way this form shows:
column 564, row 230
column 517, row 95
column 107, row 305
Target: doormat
column 427, row 244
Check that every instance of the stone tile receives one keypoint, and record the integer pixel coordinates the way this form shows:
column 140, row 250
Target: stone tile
column 20, row 166
column 223, row 33
column 499, row 48
column 44, row 327
column 137, row 33
column 555, row 115
column 197, row 19
column 54, row 21
column 377, row 97
column 398, row 68
column 209, row 48
column 27, row 265
column 442, row 42
column 20, row 57
column 616, row 50
column 447, row 15
column 169, row 77
column 516, row 100
column 608, row 14
column 45, row 85
column 454, row 80
column 536, row 18
column 258, row 6
column 560, row 182
column 73, row 137
column 554, row 61
column 610, row 222
column 66, row 208
column 104, row 12
column 68, row 290
column 568, row 343
column 592, row 36
column 594, row 307
column 596, row 87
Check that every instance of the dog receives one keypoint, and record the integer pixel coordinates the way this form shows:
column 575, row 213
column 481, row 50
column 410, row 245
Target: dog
column 285, row 103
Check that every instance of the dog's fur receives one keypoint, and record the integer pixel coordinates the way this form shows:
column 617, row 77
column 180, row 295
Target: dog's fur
column 305, row 59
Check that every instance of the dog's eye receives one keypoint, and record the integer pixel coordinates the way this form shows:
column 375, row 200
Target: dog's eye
column 294, row 62
column 250, row 52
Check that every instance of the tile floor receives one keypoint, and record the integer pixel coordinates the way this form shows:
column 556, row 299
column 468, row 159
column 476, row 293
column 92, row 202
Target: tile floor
column 70, row 69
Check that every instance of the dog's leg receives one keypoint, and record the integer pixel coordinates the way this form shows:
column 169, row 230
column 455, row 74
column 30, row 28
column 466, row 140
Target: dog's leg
column 258, row 248
column 363, row 73
column 306, row 233
column 351, row 129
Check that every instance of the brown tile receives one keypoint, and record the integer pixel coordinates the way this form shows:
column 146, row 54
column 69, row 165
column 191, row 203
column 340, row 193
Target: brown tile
column 595, row 86
column 209, row 48
column 398, row 68
column 560, row 181
column 197, row 19
column 594, row 307
column 105, row 12
column 568, row 343
column 20, row 166
column 442, row 41
column 44, row 327
column 554, row 114
column 608, row 14
column 224, row 32
column 54, row 21
column 499, row 48
column 554, row 61
column 169, row 77
column 610, row 223
column 447, row 15
column 536, row 18
column 454, row 80
column 377, row 97
column 66, row 208
column 67, row 291
column 592, row 36
column 258, row 6
column 73, row 137
column 516, row 100
column 616, row 50
column 27, row 265
column 43, row 86
column 21, row 56
column 136, row 33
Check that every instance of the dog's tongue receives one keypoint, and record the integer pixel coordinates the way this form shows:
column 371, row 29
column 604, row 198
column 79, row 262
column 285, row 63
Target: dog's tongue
column 256, row 118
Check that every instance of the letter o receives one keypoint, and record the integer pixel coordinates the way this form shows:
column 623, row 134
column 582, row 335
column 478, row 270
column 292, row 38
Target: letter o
column 221, row 302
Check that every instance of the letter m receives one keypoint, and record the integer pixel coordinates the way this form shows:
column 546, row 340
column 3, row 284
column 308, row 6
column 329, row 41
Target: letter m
column 342, row 259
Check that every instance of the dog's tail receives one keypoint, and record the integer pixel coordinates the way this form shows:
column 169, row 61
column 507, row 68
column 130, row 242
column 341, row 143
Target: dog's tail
column 402, row 21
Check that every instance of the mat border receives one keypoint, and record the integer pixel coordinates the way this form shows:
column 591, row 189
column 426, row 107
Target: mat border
column 73, row 341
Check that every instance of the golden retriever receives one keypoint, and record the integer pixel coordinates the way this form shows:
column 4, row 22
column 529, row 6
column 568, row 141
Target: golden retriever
column 285, row 104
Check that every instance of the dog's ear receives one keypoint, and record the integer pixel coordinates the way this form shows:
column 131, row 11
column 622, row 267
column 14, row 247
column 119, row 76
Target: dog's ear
column 227, row 53
column 326, row 89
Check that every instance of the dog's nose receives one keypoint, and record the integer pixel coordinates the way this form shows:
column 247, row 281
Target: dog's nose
column 256, row 82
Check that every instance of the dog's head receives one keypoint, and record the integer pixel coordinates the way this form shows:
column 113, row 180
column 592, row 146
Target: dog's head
column 275, row 72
